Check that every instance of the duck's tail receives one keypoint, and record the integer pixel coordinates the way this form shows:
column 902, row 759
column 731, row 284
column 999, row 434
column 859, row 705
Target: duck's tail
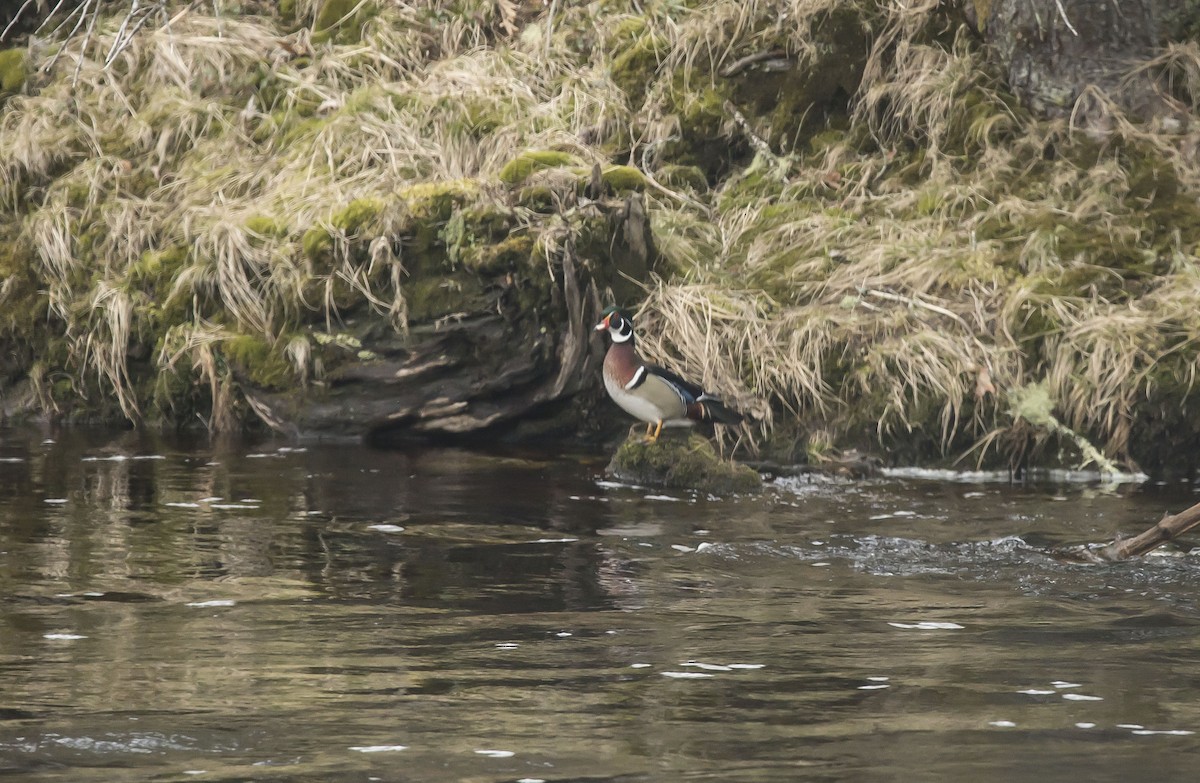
column 710, row 408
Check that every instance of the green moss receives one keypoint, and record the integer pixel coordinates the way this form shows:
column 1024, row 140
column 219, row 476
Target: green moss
column 635, row 66
column 680, row 463
column 255, row 360
column 519, row 168
column 342, row 21
column 498, row 256
column 265, row 226
column 676, row 176
column 12, row 70
column 316, row 242
column 433, row 297
column 357, row 214
column 158, row 266
column 538, row 198
column 623, row 179
column 436, row 201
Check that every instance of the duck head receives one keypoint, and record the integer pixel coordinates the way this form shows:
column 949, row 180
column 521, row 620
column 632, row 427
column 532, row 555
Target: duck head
column 618, row 324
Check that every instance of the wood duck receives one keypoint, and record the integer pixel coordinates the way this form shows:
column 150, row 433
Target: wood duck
column 650, row 393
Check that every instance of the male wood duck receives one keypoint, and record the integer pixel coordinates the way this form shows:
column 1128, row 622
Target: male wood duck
column 650, row 393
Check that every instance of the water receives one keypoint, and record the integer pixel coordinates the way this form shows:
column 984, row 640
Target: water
column 172, row 610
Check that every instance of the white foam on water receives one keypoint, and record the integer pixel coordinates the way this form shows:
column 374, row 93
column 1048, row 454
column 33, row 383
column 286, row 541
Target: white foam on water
column 878, row 679
column 989, row 476
column 507, row 646
column 974, row 494
column 182, row 504
column 640, row 665
column 213, row 499
column 383, row 528
column 702, row 546
column 496, row 754
column 206, row 604
column 1036, row 692
column 554, row 541
column 822, row 564
column 378, row 748
column 682, row 548
column 1169, row 732
column 880, row 516
column 563, row 634
column 1065, row 684
column 906, row 513
column 747, row 665
column 927, row 626
column 195, row 772
column 1130, row 726
column 873, row 687
column 531, row 780
column 1085, row 725
column 12, row 459
column 1081, row 697
column 663, row 497
column 55, row 501
column 687, row 675
column 231, row 506
column 1003, row 724
column 710, row 667
column 63, row 637
column 616, row 485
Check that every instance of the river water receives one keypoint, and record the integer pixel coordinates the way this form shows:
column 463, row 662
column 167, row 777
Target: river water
column 175, row 610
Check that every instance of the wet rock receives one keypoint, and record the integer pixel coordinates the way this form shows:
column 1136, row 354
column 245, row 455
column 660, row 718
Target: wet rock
column 675, row 462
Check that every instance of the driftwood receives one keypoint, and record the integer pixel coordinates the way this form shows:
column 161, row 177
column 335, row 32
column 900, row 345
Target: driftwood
column 1167, row 528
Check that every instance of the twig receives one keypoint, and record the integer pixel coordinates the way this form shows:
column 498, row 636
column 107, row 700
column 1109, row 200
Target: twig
column 87, row 40
column 1063, row 13
column 915, row 303
column 50, row 16
column 16, row 18
column 751, row 59
column 120, row 45
column 1166, row 529
column 757, row 142
column 550, row 28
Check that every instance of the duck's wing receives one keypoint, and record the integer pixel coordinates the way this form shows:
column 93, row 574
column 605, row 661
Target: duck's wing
column 697, row 403
column 688, row 392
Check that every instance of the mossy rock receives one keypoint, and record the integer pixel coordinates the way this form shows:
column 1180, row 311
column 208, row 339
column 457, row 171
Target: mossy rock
column 12, row 70
column 519, row 168
column 680, row 463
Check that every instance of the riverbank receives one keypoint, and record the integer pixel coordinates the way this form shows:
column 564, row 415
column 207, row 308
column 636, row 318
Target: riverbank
column 345, row 218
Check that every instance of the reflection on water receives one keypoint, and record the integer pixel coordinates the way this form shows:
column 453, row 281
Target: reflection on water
column 172, row 610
